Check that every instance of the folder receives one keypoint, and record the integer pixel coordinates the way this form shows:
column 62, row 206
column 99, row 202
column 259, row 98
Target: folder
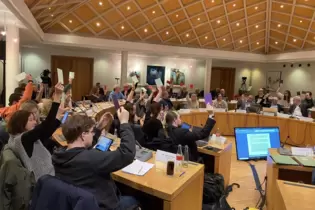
column 284, row 160
column 306, row 161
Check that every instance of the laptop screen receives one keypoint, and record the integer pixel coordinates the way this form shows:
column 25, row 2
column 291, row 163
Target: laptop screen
column 253, row 143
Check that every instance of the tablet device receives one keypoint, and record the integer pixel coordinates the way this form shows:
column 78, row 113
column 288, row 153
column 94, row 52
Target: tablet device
column 186, row 126
column 115, row 101
column 65, row 116
column 104, row 144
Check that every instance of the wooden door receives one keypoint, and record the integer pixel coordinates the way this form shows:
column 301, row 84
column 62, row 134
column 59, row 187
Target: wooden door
column 222, row 77
column 83, row 70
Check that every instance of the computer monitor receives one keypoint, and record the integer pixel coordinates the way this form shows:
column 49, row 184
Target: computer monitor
column 253, row 143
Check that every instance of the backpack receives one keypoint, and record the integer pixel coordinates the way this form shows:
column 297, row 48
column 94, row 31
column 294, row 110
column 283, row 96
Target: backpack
column 214, row 194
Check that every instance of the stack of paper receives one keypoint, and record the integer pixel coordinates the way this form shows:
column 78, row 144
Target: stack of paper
column 138, row 168
column 284, row 160
column 302, row 151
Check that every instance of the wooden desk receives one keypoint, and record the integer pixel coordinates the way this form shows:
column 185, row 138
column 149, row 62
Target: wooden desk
column 177, row 193
column 301, row 133
column 283, row 172
column 222, row 160
column 294, row 197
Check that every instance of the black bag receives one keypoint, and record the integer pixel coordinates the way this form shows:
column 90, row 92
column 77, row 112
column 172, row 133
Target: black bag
column 214, row 194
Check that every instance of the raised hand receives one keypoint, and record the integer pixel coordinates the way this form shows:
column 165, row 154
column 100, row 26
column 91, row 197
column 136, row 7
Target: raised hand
column 105, row 119
column 123, row 115
column 28, row 77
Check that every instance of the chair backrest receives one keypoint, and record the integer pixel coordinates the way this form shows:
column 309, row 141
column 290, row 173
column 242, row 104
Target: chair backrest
column 254, row 108
column 139, row 134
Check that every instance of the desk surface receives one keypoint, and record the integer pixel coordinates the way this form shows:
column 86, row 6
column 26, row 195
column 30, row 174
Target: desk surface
column 296, row 196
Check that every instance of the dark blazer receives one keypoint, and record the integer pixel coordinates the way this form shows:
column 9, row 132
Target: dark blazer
column 185, row 137
column 302, row 107
column 51, row 193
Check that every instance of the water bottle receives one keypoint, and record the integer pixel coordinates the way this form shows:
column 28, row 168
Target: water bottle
column 217, row 133
column 179, row 158
column 186, row 157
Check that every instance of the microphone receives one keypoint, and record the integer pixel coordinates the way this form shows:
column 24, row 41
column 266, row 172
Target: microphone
column 282, row 145
column 284, row 151
column 139, row 145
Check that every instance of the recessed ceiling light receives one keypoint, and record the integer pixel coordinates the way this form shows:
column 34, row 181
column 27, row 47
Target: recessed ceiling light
column 256, row 26
column 3, row 32
column 198, row 19
column 98, row 24
column 176, row 15
column 301, row 21
column 281, row 6
column 218, row 21
column 256, row 8
column 100, row 3
column 70, row 21
column 224, row 39
column 52, row 15
column 212, row 1
column 241, row 41
column 49, row 8
column 15, row 40
column 279, row 25
column 190, row 66
column 128, row 8
column 187, row 35
column 206, row 37
column 237, row 24
column 145, row 30
column 294, row 40
column 276, row 42
column 166, row 32
column 234, row 5
column 153, row 12
column 122, row 27
column 257, row 43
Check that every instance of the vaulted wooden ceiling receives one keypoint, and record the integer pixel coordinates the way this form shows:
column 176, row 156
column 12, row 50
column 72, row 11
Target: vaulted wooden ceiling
column 259, row 26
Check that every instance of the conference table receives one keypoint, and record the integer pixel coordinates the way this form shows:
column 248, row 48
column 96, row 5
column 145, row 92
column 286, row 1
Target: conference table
column 292, row 131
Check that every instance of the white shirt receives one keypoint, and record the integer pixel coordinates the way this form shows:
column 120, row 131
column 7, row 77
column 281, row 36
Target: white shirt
column 297, row 111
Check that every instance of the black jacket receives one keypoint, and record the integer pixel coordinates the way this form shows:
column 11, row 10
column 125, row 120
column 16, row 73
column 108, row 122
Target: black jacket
column 302, row 107
column 91, row 169
column 51, row 193
column 185, row 137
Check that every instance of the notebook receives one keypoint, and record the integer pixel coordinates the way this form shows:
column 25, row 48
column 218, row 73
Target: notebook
column 306, row 161
column 138, row 168
column 284, row 160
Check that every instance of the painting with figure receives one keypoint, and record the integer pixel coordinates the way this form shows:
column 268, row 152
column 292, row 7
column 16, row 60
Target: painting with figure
column 155, row 72
column 177, row 77
column 273, row 80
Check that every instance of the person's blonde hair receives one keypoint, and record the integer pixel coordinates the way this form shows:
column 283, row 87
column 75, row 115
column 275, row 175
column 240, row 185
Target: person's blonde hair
column 45, row 107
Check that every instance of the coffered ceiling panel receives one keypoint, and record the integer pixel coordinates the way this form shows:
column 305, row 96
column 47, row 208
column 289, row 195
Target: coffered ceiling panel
column 258, row 26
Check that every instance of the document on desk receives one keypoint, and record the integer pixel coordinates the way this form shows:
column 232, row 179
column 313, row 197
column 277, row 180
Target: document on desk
column 306, row 161
column 138, row 168
column 302, row 151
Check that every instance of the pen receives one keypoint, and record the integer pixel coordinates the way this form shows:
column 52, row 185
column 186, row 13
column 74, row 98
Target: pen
column 182, row 174
column 140, row 169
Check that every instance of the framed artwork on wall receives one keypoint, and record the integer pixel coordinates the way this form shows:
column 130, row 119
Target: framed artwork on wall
column 177, row 77
column 155, row 72
column 273, row 80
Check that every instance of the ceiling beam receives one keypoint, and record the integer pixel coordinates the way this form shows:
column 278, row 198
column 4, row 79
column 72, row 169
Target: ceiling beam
column 38, row 7
column 247, row 27
column 309, row 29
column 289, row 27
column 268, row 20
column 229, row 26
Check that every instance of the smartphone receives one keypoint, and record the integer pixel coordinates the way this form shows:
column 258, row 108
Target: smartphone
column 116, row 103
column 104, row 144
column 186, row 126
column 65, row 116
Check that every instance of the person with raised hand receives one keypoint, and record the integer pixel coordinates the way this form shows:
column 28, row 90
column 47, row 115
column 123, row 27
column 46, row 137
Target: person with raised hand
column 27, row 136
column 91, row 168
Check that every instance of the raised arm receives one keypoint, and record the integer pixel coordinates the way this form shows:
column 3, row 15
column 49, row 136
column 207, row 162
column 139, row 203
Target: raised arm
column 159, row 95
column 131, row 94
column 44, row 130
column 39, row 95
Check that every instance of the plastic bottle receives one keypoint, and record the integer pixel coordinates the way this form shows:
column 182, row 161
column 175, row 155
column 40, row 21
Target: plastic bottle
column 186, row 157
column 179, row 158
column 217, row 133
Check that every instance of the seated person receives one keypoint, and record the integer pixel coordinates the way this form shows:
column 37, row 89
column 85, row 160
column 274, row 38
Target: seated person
column 184, row 136
column 285, row 99
column 297, row 108
column 116, row 91
column 219, row 103
column 224, row 97
column 90, row 168
column 192, row 103
column 183, row 93
column 274, row 104
column 166, row 100
column 308, row 101
column 245, row 101
column 152, row 123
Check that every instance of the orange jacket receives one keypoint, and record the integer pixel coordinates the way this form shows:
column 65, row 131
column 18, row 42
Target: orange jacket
column 8, row 111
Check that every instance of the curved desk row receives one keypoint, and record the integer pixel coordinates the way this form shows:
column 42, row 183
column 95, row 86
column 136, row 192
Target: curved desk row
column 297, row 132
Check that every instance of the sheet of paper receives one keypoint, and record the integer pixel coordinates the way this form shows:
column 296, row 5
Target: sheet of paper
column 138, row 168
column 219, row 110
column 300, row 151
column 144, row 90
column 71, row 75
column 268, row 114
column 20, row 77
column 38, row 80
column 249, row 88
column 158, row 82
column 240, row 111
column 60, row 76
column 164, row 157
column 135, row 79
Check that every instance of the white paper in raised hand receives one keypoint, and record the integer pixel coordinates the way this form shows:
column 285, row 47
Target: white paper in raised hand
column 138, row 168
column 20, row 77
column 71, row 75
column 60, row 76
column 38, row 80
column 135, row 79
column 158, row 82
